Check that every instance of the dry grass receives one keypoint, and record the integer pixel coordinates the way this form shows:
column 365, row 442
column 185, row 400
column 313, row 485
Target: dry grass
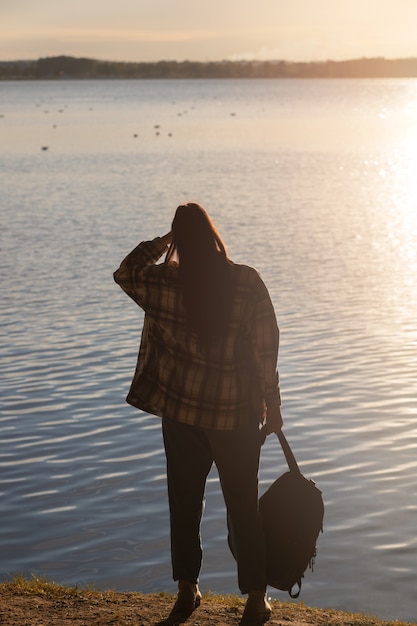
column 39, row 602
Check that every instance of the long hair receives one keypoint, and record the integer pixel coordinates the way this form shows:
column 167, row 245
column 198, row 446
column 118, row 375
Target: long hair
column 205, row 272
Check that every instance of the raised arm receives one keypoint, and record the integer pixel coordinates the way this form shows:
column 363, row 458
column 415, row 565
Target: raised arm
column 131, row 271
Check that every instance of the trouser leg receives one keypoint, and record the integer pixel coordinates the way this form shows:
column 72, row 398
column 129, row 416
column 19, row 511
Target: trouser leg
column 236, row 454
column 189, row 460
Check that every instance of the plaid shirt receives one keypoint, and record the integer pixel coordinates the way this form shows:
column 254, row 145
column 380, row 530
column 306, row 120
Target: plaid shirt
column 219, row 388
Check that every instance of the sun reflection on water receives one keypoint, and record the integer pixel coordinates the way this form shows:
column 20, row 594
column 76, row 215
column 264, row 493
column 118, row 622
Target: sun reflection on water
column 330, row 168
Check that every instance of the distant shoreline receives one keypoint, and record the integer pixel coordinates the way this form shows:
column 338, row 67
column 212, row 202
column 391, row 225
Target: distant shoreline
column 66, row 67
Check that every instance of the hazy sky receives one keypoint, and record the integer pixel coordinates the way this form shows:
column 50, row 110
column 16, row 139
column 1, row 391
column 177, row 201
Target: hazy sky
column 151, row 30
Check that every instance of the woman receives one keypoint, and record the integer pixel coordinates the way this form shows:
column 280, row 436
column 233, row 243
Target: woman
column 207, row 365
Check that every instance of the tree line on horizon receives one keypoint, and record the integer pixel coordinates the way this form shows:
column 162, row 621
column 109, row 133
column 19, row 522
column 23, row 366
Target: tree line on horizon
column 67, row 67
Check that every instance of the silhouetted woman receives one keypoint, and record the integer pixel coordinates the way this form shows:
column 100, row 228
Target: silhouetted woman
column 207, row 365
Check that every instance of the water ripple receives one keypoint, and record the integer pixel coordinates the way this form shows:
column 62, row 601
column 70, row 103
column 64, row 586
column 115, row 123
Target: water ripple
column 83, row 475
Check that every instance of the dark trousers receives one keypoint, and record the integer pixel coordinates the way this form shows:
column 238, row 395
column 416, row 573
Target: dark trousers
column 190, row 453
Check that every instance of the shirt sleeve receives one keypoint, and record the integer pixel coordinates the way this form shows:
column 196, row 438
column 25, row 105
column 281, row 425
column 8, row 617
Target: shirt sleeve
column 130, row 274
column 266, row 344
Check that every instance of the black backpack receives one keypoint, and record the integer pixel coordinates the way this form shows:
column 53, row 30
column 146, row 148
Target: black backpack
column 292, row 514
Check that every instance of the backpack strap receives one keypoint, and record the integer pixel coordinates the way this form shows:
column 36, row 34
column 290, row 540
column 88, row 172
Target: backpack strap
column 295, row 594
column 289, row 456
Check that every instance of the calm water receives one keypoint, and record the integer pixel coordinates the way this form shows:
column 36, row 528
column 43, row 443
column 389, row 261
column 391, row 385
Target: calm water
column 314, row 183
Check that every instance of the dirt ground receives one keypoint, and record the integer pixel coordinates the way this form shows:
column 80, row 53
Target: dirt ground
column 72, row 607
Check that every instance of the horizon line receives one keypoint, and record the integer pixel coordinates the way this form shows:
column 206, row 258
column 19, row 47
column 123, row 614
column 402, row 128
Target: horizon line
column 224, row 60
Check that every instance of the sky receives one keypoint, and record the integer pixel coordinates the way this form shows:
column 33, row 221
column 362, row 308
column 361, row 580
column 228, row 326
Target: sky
column 154, row 30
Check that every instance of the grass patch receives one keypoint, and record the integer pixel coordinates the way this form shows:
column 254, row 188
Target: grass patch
column 41, row 586
column 122, row 608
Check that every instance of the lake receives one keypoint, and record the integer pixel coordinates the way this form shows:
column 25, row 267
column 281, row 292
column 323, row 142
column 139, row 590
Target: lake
column 314, row 183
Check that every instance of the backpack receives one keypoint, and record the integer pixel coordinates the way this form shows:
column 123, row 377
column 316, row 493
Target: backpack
column 292, row 512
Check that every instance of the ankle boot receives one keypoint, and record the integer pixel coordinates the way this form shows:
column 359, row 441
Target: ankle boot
column 188, row 598
column 257, row 609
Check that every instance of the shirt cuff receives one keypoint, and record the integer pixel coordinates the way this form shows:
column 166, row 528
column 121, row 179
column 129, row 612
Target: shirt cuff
column 273, row 399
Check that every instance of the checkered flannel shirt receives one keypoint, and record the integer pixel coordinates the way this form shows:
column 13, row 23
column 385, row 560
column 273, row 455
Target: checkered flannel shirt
column 221, row 387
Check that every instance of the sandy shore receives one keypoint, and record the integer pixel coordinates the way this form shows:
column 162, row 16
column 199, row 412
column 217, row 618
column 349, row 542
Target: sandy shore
column 27, row 603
